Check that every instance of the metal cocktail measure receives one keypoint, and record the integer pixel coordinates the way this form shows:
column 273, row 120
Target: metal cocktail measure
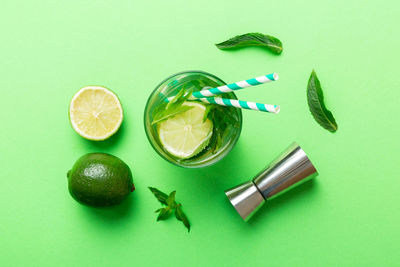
column 288, row 170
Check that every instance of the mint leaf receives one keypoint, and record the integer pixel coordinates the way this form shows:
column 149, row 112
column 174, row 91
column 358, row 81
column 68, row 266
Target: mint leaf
column 315, row 98
column 170, row 113
column 224, row 119
column 164, row 213
column 187, row 94
column 208, row 109
column 173, row 107
column 176, row 98
column 253, row 39
column 171, row 200
column 158, row 111
column 182, row 217
column 161, row 197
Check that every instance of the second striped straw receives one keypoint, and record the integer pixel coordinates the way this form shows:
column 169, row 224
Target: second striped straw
column 236, row 86
column 241, row 104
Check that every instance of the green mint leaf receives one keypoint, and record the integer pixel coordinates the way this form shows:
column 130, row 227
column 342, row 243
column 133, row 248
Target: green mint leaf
column 171, row 200
column 224, row 119
column 164, row 213
column 173, row 108
column 183, row 94
column 316, row 104
column 184, row 97
column 253, row 39
column 220, row 139
column 161, row 197
column 188, row 94
column 176, row 98
column 158, row 111
column 170, row 113
column 208, row 109
column 182, row 217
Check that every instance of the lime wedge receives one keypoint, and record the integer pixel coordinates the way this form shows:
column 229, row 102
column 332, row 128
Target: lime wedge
column 95, row 113
column 185, row 135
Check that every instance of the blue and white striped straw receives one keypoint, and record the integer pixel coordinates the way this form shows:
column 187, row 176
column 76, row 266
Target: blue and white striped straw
column 236, row 86
column 241, row 104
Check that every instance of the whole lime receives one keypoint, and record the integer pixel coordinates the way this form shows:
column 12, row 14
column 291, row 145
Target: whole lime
column 99, row 179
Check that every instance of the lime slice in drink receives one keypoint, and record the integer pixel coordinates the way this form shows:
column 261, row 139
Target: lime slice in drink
column 95, row 113
column 185, row 134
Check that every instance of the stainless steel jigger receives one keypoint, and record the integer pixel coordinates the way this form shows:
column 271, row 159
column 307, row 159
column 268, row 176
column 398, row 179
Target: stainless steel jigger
column 290, row 169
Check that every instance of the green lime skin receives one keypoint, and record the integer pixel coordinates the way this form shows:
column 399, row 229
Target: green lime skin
column 100, row 180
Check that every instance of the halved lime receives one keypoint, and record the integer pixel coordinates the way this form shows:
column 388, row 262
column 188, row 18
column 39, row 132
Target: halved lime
column 95, row 113
column 185, row 135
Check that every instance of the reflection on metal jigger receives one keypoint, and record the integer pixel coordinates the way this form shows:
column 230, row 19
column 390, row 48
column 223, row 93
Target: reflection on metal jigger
column 290, row 169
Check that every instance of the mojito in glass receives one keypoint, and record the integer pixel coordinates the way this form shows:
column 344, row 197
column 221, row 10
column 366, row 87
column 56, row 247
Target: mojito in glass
column 188, row 132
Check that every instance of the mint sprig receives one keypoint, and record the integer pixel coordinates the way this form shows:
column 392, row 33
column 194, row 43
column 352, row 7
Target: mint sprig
column 171, row 206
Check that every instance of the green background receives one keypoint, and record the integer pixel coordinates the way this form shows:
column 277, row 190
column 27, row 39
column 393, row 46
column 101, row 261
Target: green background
column 348, row 216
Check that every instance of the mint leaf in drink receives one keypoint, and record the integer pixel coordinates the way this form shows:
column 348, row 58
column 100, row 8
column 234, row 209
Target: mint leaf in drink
column 182, row 217
column 171, row 206
column 183, row 95
column 315, row 98
column 161, row 197
column 172, row 108
column 176, row 98
column 169, row 113
column 208, row 109
column 253, row 39
column 224, row 119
